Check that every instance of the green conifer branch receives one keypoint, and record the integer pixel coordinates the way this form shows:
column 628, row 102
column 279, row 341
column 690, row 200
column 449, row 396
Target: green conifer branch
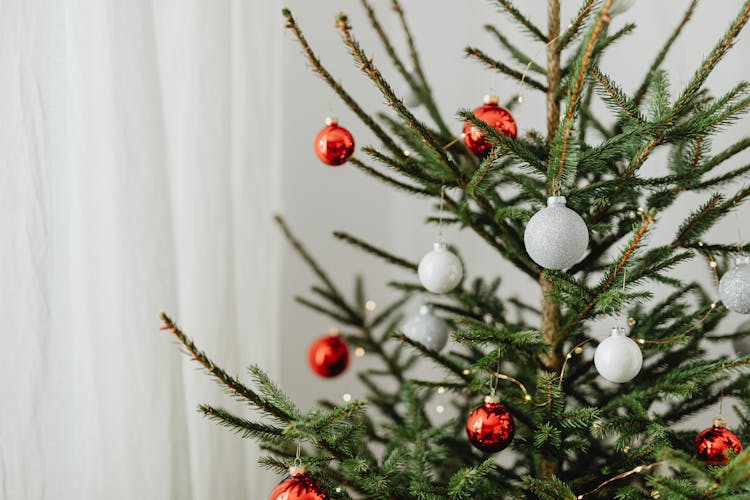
column 377, row 252
column 525, row 22
column 517, row 54
column 504, row 68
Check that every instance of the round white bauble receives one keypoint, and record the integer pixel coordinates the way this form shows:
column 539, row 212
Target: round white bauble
column 556, row 237
column 620, row 6
column 618, row 357
column 742, row 344
column 440, row 271
column 427, row 329
column 734, row 286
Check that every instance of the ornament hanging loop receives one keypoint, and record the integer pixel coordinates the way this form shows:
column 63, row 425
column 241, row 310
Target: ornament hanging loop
column 297, row 458
column 440, row 214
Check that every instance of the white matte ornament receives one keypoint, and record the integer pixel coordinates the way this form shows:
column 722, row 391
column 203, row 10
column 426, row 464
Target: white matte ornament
column 742, row 344
column 427, row 329
column 440, row 271
column 620, row 6
column 618, row 357
column 734, row 286
column 556, row 237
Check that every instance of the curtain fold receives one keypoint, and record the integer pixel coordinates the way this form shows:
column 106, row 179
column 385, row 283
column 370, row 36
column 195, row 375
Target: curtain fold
column 140, row 147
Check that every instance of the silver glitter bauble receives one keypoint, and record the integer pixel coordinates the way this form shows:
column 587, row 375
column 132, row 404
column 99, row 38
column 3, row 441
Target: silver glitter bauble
column 620, row 6
column 618, row 358
column 556, row 237
column 440, row 271
column 734, row 286
column 427, row 329
column 742, row 344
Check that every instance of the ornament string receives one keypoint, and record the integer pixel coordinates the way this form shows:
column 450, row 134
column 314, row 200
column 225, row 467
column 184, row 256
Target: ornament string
column 440, row 214
column 740, row 242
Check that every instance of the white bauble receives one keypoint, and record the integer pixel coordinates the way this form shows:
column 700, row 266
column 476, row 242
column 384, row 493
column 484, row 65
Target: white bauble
column 556, row 237
column 440, row 271
column 734, row 286
column 620, row 6
column 618, row 358
column 427, row 329
column 742, row 344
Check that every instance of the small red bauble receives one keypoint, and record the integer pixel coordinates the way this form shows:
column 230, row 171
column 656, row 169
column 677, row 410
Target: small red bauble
column 490, row 427
column 712, row 445
column 492, row 114
column 299, row 487
column 333, row 144
column 329, row 356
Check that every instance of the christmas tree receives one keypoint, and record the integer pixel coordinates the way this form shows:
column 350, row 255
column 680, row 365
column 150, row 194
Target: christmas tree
column 541, row 410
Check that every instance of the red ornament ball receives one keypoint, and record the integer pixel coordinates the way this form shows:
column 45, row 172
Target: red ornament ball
column 492, row 114
column 712, row 445
column 490, row 427
column 329, row 356
column 333, row 144
column 299, row 487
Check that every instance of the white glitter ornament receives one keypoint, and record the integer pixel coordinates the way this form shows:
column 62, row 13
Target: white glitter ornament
column 742, row 344
column 556, row 237
column 440, row 271
column 734, row 286
column 427, row 329
column 620, row 6
column 618, row 357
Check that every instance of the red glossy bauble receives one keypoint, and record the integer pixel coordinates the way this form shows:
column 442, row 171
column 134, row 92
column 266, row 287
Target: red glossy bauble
column 299, row 487
column 712, row 445
column 333, row 144
column 494, row 115
column 490, row 427
column 328, row 356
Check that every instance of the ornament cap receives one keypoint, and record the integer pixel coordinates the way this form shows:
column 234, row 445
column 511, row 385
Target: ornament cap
column 556, row 200
column 491, row 99
column 618, row 331
column 719, row 422
column 332, row 120
column 334, row 332
column 741, row 260
column 492, row 399
column 297, row 470
column 440, row 245
column 425, row 309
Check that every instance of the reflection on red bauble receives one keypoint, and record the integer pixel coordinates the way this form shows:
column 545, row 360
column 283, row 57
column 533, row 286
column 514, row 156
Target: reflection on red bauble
column 712, row 445
column 494, row 115
column 333, row 144
column 329, row 356
column 299, row 487
column 490, row 427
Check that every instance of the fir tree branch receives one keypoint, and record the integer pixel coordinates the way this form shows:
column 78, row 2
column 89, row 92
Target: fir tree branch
column 514, row 51
column 522, row 20
column 367, row 67
column 575, row 27
column 389, row 180
column 503, row 68
column 336, row 86
column 234, row 386
column 721, row 48
column 377, row 252
column 575, row 90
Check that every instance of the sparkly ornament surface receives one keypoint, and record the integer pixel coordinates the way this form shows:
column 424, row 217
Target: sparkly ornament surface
column 741, row 345
column 299, row 486
column 427, row 329
column 556, row 237
column 490, row 427
column 712, row 445
column 440, row 271
column 734, row 286
column 328, row 356
column 618, row 357
column 333, row 144
column 494, row 115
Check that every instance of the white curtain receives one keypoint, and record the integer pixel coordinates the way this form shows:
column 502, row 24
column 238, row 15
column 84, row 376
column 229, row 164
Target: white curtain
column 139, row 157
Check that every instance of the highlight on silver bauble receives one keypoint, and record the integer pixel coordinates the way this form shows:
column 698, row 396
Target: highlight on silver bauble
column 428, row 329
column 440, row 271
column 734, row 286
column 556, row 237
column 618, row 358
